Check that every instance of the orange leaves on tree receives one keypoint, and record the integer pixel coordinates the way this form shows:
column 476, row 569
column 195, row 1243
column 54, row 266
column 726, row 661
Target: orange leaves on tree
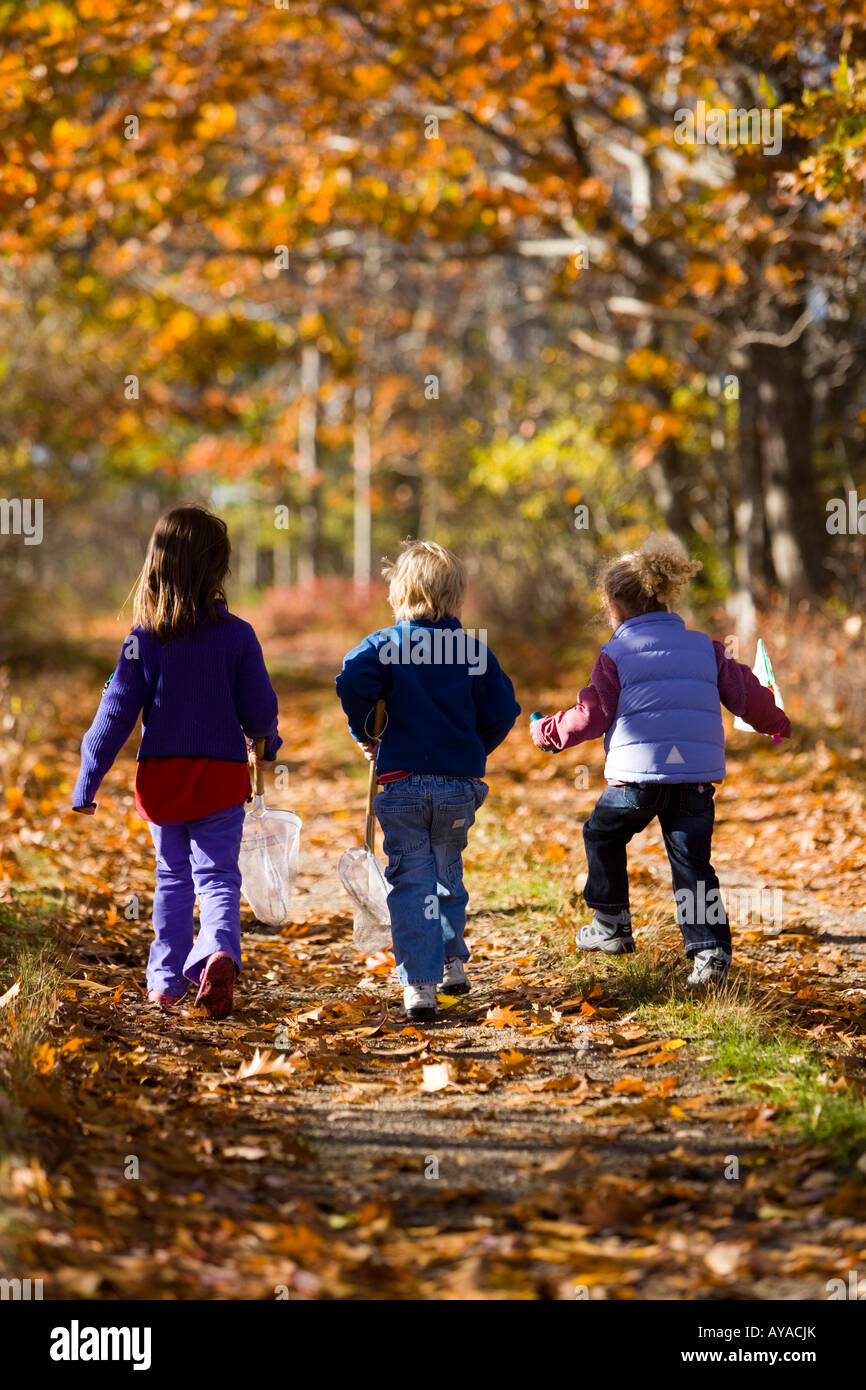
column 215, row 119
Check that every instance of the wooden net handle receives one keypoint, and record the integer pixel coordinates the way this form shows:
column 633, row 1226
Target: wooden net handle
column 370, row 824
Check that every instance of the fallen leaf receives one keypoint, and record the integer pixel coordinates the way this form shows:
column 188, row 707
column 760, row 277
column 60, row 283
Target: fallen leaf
column 265, row 1063
column 44, row 1058
column 558, row 1161
column 507, row 1017
column 438, row 1075
column 10, row 993
column 658, row 1060
column 631, row 1085
column 514, row 1060
column 448, row 1001
column 728, row 1257
column 566, row 1083
column 666, row 1085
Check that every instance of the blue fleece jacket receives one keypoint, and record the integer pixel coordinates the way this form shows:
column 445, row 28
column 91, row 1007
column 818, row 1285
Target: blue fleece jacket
column 448, row 700
column 198, row 696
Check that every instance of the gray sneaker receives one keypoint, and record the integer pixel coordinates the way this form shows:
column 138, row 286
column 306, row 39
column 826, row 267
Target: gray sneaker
column 606, row 933
column 709, row 968
column 454, row 981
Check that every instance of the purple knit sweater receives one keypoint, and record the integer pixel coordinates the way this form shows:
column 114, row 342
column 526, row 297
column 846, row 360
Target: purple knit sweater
column 198, row 696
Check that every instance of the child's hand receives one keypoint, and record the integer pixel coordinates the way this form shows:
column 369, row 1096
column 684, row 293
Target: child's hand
column 538, row 738
column 370, row 748
column 256, row 762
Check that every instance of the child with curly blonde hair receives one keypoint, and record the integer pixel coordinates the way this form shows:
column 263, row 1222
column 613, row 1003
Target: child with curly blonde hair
column 656, row 694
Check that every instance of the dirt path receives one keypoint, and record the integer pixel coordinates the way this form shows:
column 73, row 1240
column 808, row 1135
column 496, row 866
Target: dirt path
column 573, row 1150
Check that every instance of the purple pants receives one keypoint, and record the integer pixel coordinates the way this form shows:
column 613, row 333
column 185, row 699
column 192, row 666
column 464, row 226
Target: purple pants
column 196, row 856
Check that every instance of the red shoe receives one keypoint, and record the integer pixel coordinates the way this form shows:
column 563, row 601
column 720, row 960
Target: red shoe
column 165, row 1001
column 216, row 987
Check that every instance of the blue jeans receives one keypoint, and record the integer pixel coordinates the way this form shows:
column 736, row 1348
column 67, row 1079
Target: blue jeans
column 196, row 856
column 425, row 822
column 686, row 812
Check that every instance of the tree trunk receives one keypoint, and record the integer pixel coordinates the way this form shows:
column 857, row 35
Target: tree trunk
column 667, row 475
column 307, row 463
column 361, row 466
column 795, row 527
column 282, row 562
column 721, row 493
column 668, row 480
column 751, row 559
column 245, row 551
column 264, row 566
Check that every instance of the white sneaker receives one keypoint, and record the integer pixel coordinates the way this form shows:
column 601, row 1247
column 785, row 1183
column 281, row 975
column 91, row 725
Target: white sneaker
column 709, row 968
column 419, row 1001
column 454, row 979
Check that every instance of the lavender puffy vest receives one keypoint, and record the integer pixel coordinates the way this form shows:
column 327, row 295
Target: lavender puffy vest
column 668, row 725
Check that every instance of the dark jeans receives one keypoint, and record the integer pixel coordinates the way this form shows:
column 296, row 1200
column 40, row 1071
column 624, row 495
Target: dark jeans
column 686, row 812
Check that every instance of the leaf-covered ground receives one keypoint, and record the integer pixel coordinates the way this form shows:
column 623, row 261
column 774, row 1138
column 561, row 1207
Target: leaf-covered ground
column 576, row 1128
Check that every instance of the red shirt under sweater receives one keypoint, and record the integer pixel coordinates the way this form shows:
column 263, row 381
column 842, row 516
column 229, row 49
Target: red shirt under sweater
column 168, row 790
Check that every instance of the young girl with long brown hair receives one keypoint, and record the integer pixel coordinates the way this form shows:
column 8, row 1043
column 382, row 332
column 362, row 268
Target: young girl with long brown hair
column 196, row 675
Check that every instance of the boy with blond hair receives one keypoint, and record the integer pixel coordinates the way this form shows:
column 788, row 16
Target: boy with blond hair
column 449, row 704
